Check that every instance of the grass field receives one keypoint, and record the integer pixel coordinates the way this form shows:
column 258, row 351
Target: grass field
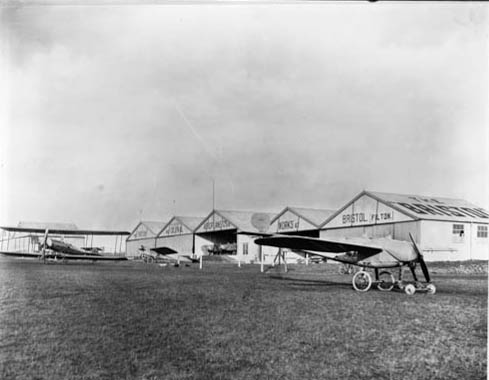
column 139, row 321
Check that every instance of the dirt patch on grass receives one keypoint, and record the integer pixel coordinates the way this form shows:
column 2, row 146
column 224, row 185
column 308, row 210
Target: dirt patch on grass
column 459, row 267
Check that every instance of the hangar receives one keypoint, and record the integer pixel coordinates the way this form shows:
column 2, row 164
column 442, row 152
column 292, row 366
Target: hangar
column 143, row 236
column 178, row 234
column 220, row 233
column 295, row 221
column 446, row 229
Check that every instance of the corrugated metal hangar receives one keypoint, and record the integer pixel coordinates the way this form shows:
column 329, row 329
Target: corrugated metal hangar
column 143, row 237
column 446, row 229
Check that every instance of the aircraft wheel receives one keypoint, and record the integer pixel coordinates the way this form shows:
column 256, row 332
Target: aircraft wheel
column 409, row 289
column 387, row 281
column 362, row 281
column 431, row 289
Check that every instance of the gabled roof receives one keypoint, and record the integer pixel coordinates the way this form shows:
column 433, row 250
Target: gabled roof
column 314, row 216
column 153, row 226
column 433, row 208
column 420, row 207
column 240, row 219
column 191, row 222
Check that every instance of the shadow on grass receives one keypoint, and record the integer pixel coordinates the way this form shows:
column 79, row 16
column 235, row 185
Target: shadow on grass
column 310, row 283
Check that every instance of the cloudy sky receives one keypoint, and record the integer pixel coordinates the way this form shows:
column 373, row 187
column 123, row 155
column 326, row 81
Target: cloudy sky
column 111, row 114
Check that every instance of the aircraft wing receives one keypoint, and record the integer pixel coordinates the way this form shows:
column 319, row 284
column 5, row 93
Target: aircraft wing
column 164, row 250
column 58, row 231
column 303, row 243
column 94, row 258
column 65, row 256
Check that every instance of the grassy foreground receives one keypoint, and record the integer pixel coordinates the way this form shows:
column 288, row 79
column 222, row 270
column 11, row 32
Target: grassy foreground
column 137, row 321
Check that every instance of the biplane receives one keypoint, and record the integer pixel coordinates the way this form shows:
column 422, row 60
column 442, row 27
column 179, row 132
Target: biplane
column 380, row 254
column 42, row 245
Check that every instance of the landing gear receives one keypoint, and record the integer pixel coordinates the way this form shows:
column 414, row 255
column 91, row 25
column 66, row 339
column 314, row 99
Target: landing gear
column 431, row 289
column 346, row 269
column 386, row 281
column 409, row 289
column 362, row 281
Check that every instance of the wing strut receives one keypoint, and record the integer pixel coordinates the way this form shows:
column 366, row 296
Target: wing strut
column 44, row 242
column 280, row 256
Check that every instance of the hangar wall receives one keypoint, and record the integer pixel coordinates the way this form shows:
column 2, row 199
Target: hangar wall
column 143, row 235
column 442, row 241
column 183, row 243
column 435, row 223
column 178, row 234
column 133, row 246
column 398, row 231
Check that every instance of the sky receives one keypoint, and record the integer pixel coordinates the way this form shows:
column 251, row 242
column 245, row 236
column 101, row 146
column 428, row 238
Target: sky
column 114, row 114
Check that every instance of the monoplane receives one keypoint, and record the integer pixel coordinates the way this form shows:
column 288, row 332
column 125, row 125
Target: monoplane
column 379, row 254
column 166, row 255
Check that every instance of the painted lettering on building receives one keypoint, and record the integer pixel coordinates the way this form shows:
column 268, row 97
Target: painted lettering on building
column 362, row 217
column 288, row 225
column 358, row 217
column 217, row 225
column 141, row 234
column 174, row 229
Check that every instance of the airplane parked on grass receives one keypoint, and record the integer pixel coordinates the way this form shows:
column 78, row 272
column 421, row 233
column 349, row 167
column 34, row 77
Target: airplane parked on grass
column 377, row 254
column 165, row 255
column 50, row 248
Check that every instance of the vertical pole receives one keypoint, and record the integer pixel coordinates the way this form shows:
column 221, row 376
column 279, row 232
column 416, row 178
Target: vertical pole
column 285, row 263
column 213, row 194
column 200, row 263
column 261, row 257
column 8, row 240
column 44, row 242
column 115, row 245
column 307, row 258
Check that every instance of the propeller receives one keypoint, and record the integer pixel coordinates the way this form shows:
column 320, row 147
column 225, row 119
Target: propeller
column 421, row 261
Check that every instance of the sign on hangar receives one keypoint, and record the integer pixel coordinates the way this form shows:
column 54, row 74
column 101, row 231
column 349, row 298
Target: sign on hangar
column 445, row 228
column 297, row 220
column 178, row 234
column 383, row 208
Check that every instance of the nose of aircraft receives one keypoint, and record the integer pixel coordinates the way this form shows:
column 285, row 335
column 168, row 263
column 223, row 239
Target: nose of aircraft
column 422, row 263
